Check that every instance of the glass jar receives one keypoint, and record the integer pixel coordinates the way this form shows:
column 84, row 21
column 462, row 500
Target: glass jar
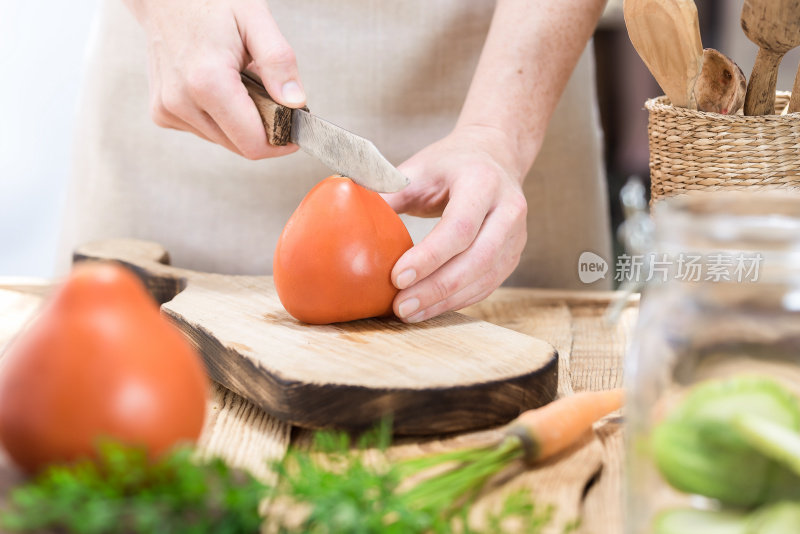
column 719, row 323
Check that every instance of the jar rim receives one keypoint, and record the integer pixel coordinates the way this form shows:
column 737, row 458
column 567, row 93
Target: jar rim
column 730, row 216
column 750, row 202
column 761, row 224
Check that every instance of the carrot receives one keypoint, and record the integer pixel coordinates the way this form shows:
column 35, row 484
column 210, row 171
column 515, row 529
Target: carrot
column 552, row 428
column 533, row 436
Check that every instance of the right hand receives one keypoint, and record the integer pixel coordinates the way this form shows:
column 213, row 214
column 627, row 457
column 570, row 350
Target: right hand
column 196, row 50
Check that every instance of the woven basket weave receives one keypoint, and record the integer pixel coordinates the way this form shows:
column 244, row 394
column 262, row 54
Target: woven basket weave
column 693, row 150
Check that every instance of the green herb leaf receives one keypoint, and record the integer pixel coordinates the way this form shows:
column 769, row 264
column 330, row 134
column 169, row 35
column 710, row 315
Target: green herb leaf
column 125, row 492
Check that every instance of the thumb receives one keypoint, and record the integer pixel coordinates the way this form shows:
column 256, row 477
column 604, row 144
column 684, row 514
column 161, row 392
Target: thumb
column 273, row 59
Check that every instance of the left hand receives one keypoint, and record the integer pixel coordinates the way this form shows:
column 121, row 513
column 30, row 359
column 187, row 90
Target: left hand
column 471, row 179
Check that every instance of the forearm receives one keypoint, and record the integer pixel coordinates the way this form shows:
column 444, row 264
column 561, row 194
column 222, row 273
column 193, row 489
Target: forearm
column 529, row 54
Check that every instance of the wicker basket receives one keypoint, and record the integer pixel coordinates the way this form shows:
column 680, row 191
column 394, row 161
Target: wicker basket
column 693, row 150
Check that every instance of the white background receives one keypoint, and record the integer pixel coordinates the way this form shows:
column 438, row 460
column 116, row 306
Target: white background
column 41, row 68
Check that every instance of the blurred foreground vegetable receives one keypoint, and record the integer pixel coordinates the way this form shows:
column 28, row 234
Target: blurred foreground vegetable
column 334, row 489
column 780, row 518
column 98, row 362
column 330, row 489
column 699, row 450
column 772, row 440
column 124, row 491
column 737, row 441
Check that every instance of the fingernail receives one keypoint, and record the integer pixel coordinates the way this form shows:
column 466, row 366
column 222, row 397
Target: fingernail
column 407, row 307
column 292, row 94
column 417, row 317
column 405, row 278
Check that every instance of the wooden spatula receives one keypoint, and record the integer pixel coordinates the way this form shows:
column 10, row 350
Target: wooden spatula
column 666, row 34
column 774, row 25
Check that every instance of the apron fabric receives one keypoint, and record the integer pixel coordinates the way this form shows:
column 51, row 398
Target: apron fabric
column 396, row 73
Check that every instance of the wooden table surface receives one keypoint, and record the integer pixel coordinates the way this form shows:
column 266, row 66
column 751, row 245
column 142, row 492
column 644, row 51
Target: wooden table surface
column 582, row 484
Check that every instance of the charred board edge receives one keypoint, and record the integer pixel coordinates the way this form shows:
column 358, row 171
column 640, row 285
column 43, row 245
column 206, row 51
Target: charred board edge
column 161, row 288
column 348, row 407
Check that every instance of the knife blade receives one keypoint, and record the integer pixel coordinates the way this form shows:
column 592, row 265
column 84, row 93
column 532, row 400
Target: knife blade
column 344, row 152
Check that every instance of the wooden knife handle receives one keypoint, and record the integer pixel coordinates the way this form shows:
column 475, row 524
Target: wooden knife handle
column 277, row 119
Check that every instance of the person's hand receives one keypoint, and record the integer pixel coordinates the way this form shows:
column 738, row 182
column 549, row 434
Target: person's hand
column 196, row 50
column 469, row 178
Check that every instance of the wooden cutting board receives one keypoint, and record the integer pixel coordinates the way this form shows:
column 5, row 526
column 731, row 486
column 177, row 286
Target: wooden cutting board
column 448, row 374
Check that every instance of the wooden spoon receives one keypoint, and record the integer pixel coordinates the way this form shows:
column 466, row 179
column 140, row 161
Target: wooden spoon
column 721, row 86
column 666, row 34
column 774, row 25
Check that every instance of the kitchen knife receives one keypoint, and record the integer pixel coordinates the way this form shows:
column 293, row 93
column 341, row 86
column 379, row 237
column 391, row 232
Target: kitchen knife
column 346, row 153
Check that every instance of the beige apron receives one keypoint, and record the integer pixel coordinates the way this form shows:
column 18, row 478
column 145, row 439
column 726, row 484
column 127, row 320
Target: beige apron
column 394, row 72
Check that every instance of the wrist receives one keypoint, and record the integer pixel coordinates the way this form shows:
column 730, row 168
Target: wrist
column 502, row 146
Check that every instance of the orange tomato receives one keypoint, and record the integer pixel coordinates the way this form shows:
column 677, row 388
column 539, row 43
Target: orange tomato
column 99, row 362
column 334, row 259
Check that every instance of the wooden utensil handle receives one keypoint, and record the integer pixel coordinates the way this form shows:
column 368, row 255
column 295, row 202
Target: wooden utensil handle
column 794, row 103
column 277, row 119
column 760, row 98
